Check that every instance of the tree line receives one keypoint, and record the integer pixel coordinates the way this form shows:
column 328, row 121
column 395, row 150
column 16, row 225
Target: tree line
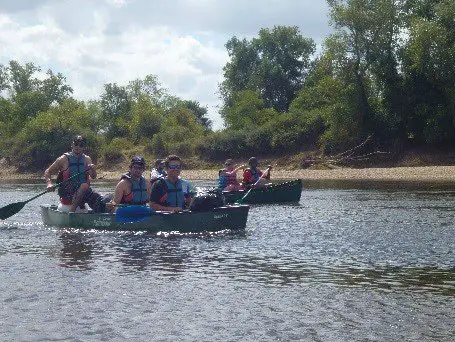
column 386, row 71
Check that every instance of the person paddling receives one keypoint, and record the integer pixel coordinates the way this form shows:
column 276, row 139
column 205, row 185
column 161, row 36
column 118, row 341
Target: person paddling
column 133, row 188
column 169, row 193
column 66, row 166
column 253, row 177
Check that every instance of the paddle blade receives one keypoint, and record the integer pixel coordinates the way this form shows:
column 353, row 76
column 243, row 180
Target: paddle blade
column 11, row 209
column 132, row 213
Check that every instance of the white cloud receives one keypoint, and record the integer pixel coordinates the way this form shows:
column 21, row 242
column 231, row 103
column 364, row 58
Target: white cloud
column 181, row 41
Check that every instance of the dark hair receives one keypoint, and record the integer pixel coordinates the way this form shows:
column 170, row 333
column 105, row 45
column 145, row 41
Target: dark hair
column 138, row 160
column 158, row 162
column 79, row 140
column 252, row 161
column 172, row 157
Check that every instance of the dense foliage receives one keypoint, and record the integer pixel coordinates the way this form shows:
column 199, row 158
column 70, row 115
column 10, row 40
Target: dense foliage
column 387, row 71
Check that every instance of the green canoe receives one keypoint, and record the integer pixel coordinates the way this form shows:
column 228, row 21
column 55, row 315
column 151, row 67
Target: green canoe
column 276, row 193
column 232, row 217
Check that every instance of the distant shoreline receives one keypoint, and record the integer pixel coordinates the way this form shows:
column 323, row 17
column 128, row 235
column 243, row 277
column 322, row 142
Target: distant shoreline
column 443, row 174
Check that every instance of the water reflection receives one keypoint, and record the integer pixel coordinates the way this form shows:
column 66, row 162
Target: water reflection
column 168, row 253
column 77, row 250
column 140, row 252
column 385, row 278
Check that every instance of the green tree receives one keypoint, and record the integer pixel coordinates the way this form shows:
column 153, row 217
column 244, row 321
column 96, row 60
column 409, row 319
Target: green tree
column 50, row 133
column 146, row 120
column 180, row 133
column 429, row 63
column 274, row 64
column 247, row 111
column 116, row 106
column 200, row 113
column 367, row 35
column 29, row 94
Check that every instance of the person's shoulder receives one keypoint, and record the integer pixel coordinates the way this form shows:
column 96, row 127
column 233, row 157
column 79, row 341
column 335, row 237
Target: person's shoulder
column 61, row 160
column 123, row 182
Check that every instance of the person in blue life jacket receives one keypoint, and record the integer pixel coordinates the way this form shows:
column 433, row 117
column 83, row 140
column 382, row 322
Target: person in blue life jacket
column 69, row 164
column 171, row 193
column 158, row 171
column 133, row 188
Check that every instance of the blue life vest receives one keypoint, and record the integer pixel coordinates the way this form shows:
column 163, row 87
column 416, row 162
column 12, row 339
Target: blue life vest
column 68, row 189
column 138, row 194
column 75, row 165
column 175, row 195
column 222, row 181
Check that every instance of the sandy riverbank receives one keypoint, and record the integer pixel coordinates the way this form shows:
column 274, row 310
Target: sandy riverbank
column 443, row 174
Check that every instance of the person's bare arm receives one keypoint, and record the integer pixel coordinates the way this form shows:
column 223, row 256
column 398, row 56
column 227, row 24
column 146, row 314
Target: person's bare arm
column 236, row 169
column 56, row 166
column 149, row 187
column 91, row 167
column 120, row 191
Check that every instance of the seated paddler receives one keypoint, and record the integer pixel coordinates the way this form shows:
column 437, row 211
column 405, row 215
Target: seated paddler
column 158, row 171
column 133, row 188
column 253, row 176
column 169, row 193
column 227, row 177
column 74, row 169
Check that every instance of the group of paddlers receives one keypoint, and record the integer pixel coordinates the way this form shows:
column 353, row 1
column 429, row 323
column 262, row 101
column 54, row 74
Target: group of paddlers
column 252, row 176
column 165, row 190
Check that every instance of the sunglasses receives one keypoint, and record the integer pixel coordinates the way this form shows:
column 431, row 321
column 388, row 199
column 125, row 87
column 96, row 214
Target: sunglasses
column 79, row 143
column 174, row 167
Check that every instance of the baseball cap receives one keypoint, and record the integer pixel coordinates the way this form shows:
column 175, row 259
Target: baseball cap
column 138, row 160
column 79, row 140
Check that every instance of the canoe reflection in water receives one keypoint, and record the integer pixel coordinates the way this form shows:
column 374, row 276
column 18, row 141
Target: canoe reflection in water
column 77, row 250
column 136, row 252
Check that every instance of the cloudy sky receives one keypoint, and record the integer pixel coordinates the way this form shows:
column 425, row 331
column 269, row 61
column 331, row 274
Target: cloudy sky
column 93, row 42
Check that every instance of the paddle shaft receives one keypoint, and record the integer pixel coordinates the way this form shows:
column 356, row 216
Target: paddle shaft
column 13, row 208
column 56, row 186
column 240, row 201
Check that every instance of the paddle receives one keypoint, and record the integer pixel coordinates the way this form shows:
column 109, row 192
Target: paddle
column 132, row 213
column 14, row 208
column 240, row 201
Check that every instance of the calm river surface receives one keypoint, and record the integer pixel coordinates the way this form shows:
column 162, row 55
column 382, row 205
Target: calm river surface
column 348, row 263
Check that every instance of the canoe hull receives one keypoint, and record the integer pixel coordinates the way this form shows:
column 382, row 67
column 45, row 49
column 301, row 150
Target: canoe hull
column 228, row 217
column 277, row 193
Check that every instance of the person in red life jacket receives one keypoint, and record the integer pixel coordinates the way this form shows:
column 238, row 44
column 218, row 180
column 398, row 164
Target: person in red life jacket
column 133, row 188
column 228, row 176
column 68, row 165
column 169, row 194
column 252, row 176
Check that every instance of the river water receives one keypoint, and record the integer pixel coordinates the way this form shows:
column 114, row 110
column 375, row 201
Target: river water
column 347, row 263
